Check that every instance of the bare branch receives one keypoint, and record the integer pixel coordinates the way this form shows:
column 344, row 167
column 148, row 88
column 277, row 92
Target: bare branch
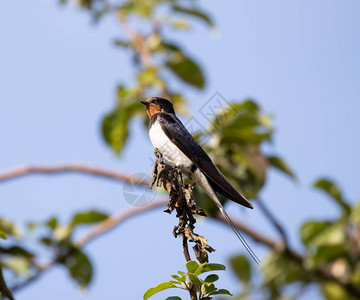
column 69, row 168
column 256, row 236
column 273, row 221
column 138, row 42
column 114, row 221
column 319, row 273
column 99, row 229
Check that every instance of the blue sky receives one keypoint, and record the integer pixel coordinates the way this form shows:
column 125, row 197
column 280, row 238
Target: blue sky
column 299, row 60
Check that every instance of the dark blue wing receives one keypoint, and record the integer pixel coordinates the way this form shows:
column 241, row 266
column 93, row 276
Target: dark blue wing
column 179, row 135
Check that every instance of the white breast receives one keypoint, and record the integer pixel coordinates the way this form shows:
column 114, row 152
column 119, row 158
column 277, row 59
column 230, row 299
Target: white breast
column 170, row 152
column 175, row 157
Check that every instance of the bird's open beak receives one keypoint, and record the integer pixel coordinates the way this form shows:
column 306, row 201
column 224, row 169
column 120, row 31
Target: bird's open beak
column 144, row 102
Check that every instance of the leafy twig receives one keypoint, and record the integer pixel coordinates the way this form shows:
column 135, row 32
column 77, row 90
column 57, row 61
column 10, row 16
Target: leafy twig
column 181, row 199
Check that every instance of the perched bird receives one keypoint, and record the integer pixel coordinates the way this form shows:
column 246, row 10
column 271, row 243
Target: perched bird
column 179, row 149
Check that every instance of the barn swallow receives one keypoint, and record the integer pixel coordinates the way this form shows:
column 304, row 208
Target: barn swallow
column 179, row 149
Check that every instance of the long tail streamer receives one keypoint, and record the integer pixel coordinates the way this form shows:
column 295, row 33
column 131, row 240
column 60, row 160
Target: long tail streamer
column 238, row 234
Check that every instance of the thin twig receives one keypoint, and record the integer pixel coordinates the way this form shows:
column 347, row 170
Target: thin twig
column 185, row 247
column 138, row 42
column 273, row 221
column 69, row 168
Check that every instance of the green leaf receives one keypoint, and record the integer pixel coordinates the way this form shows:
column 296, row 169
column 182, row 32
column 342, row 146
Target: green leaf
column 180, row 24
column 194, row 12
column 62, row 232
column 333, row 191
column 195, row 280
column 173, row 298
column 17, row 251
column 88, row 217
column 88, row 4
column 9, row 228
column 46, row 241
column 79, row 267
column 144, row 9
column 52, row 223
column 160, row 287
column 192, row 266
column 241, row 267
column 206, row 267
column 181, row 278
column 333, row 291
column 186, row 69
column 18, row 264
column 3, row 235
column 281, row 165
column 312, row 229
column 211, row 278
column 278, row 270
column 355, row 214
column 221, row 292
column 181, row 273
column 207, row 288
column 31, row 226
column 328, row 253
column 115, row 124
column 122, row 43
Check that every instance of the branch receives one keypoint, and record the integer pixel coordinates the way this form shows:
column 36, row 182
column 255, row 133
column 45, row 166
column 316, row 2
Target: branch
column 181, row 200
column 138, row 41
column 98, row 230
column 320, row 272
column 273, row 221
column 117, row 219
column 69, row 168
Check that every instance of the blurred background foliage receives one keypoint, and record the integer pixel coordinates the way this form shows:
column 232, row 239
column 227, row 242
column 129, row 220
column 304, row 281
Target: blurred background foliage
column 330, row 258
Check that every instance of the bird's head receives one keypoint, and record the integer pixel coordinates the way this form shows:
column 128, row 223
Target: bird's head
column 156, row 105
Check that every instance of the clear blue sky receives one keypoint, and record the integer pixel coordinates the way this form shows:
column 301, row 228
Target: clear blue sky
column 299, row 59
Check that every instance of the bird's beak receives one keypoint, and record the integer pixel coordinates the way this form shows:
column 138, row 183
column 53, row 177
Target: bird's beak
column 144, row 102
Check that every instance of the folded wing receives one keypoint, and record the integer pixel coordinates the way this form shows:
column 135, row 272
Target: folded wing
column 179, row 135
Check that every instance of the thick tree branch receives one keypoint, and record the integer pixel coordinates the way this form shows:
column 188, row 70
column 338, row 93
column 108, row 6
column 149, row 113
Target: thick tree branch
column 319, row 273
column 98, row 230
column 69, row 168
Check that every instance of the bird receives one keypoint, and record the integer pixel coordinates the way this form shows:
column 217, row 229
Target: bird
column 179, row 149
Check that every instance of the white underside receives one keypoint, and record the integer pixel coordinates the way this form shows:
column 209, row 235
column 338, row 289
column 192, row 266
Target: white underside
column 176, row 158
